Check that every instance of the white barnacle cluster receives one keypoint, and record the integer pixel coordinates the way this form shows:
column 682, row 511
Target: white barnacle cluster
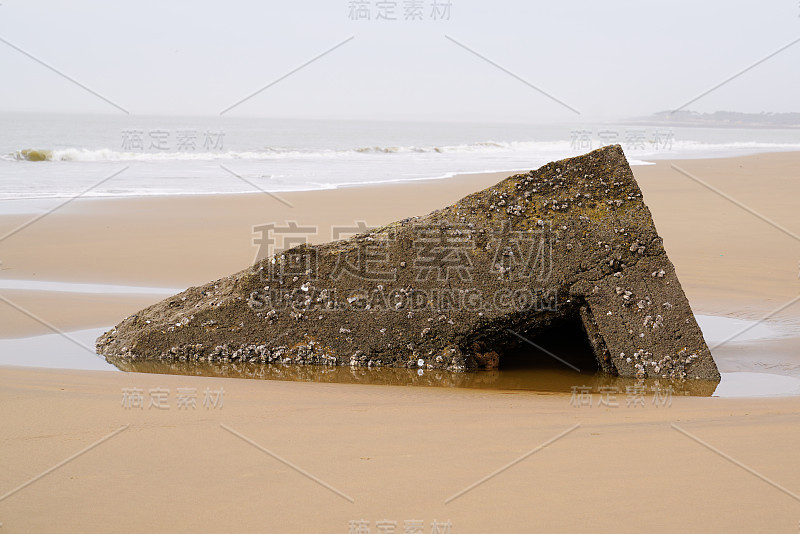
column 686, row 357
column 303, row 353
column 361, row 359
column 674, row 367
column 556, row 204
column 183, row 322
column 637, row 247
column 499, row 202
column 650, row 322
column 515, row 209
column 308, row 353
column 640, row 361
column 625, row 294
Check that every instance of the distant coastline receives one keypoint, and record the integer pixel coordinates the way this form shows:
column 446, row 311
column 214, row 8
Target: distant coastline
column 724, row 119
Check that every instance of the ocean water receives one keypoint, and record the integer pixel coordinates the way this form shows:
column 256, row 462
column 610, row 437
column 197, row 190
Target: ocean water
column 46, row 156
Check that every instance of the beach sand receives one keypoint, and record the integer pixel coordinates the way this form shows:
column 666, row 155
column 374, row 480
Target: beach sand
column 398, row 452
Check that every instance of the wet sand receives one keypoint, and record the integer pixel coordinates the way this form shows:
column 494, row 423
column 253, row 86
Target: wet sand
column 398, row 452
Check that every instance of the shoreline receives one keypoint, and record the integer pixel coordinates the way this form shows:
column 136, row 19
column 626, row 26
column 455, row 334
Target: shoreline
column 648, row 160
column 86, row 202
column 455, row 175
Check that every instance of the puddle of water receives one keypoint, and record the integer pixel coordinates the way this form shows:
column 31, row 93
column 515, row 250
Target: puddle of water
column 757, row 385
column 534, row 380
column 56, row 351
column 544, row 381
column 69, row 287
column 717, row 329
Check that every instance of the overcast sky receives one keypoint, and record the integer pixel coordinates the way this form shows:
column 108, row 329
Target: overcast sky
column 606, row 59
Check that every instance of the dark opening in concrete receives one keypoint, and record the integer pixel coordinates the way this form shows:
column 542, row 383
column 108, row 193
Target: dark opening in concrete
column 566, row 340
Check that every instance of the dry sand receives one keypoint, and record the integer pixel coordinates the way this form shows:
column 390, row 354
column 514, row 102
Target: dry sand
column 398, row 452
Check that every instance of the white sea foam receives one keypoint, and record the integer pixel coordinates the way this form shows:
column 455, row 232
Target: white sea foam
column 538, row 148
column 61, row 157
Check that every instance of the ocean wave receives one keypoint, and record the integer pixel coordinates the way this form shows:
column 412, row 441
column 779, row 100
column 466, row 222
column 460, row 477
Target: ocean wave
column 484, row 146
column 106, row 154
column 543, row 148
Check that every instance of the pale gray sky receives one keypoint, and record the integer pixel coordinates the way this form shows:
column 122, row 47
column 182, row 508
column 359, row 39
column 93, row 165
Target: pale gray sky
column 609, row 59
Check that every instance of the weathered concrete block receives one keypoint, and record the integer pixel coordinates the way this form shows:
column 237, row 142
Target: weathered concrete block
column 456, row 289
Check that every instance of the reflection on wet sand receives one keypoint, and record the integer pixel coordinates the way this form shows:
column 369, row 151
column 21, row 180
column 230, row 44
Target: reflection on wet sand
column 546, row 381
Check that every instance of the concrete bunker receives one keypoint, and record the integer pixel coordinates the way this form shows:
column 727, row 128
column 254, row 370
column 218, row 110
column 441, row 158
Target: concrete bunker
column 597, row 262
